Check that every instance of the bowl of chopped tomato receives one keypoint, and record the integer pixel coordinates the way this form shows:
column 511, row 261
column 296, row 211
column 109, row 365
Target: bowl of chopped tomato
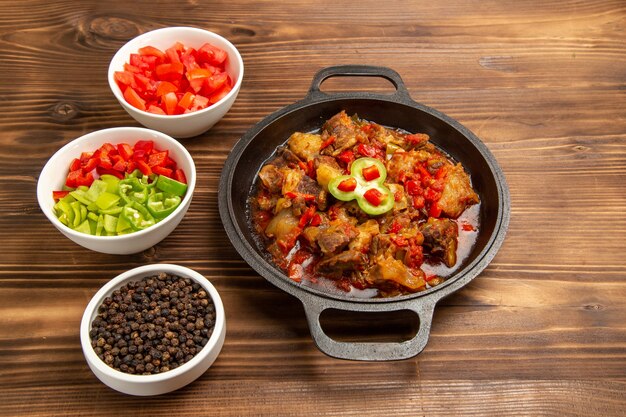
column 119, row 191
column 178, row 80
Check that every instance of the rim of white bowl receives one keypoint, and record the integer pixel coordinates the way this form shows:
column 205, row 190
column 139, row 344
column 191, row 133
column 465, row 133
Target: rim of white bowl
column 120, row 97
column 137, row 274
column 48, row 211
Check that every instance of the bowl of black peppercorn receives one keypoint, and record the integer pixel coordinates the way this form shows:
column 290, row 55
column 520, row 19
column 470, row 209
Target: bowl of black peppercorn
column 153, row 329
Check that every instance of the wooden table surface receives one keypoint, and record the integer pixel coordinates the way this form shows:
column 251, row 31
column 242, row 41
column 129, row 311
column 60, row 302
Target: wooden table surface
column 542, row 331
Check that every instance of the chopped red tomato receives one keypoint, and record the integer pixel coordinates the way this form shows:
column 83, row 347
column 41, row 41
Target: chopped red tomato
column 347, row 185
column 175, row 81
column 134, row 99
column 370, row 173
column 374, row 197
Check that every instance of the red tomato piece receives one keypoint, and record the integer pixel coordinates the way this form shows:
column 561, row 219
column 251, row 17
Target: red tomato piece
column 156, row 110
column 331, row 139
column 132, row 69
column 186, row 100
column 134, row 99
column 220, row 94
column 212, row 54
column 435, row 210
column 215, row 82
column 169, row 72
column 347, row 185
column 170, row 101
column 165, row 87
column 125, row 78
column 374, row 197
column 152, row 51
column 189, row 60
column 199, row 103
column 370, row 173
column 172, row 54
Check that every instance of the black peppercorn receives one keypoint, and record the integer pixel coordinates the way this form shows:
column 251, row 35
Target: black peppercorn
column 153, row 325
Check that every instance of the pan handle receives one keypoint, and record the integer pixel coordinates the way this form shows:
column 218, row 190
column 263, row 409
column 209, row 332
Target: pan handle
column 363, row 350
column 360, row 71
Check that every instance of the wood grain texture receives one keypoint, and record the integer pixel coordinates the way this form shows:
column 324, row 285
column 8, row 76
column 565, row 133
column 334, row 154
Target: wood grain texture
column 542, row 331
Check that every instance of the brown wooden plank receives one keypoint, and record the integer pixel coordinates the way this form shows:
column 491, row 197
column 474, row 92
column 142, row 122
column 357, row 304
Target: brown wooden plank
column 540, row 332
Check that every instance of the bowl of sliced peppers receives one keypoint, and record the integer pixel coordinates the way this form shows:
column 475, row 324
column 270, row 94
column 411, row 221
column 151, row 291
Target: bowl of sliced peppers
column 177, row 80
column 119, row 190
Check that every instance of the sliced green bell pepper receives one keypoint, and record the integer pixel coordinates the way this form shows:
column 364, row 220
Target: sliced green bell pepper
column 137, row 216
column 161, row 205
column 131, row 190
column 171, row 186
column 363, row 185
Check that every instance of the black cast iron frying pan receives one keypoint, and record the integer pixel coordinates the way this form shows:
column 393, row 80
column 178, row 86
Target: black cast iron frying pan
column 395, row 110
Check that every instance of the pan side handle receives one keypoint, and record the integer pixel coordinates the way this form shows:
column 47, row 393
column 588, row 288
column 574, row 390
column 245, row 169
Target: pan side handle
column 401, row 93
column 366, row 351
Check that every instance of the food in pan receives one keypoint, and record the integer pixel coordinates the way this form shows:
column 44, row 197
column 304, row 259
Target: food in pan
column 372, row 210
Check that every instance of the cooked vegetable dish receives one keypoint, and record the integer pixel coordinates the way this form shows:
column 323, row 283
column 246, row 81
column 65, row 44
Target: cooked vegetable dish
column 370, row 209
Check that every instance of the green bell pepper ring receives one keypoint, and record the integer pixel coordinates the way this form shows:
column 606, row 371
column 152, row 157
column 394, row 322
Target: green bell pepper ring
column 343, row 188
column 137, row 216
column 171, row 186
column 131, row 190
column 161, row 205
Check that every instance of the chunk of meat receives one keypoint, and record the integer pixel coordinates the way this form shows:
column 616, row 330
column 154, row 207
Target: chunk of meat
column 272, row 178
column 361, row 243
column 401, row 140
column 309, row 186
column 305, row 145
column 344, row 129
column 337, row 266
column 336, row 236
column 392, row 271
column 440, row 239
column 402, row 163
column 457, row 192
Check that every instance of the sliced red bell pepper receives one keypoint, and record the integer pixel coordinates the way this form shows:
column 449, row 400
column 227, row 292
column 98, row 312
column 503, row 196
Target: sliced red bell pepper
column 144, row 167
column 162, row 171
column 57, row 195
column 75, row 164
column 125, row 151
column 145, row 145
column 157, row 159
column 179, row 175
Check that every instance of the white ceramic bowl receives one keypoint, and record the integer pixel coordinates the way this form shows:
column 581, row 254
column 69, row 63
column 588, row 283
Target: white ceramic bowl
column 184, row 125
column 54, row 173
column 166, row 381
